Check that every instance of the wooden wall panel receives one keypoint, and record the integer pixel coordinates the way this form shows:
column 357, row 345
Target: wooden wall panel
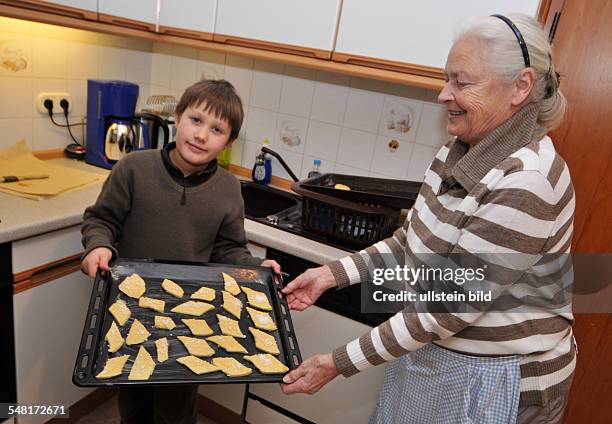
column 583, row 56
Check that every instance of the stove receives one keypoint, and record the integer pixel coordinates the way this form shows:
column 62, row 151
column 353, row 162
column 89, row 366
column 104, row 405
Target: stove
column 290, row 220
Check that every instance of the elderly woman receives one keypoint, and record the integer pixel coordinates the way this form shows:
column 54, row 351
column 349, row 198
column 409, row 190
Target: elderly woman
column 497, row 187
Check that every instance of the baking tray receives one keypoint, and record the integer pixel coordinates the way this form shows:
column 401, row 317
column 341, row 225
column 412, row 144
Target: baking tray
column 396, row 194
column 93, row 351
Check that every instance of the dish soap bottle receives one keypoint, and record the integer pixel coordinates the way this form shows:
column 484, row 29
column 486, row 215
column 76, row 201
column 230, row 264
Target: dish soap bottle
column 315, row 169
column 223, row 160
column 262, row 170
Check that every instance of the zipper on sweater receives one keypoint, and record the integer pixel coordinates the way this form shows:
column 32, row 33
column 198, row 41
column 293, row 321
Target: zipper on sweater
column 184, row 196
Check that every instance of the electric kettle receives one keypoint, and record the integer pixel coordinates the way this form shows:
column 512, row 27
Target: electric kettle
column 139, row 132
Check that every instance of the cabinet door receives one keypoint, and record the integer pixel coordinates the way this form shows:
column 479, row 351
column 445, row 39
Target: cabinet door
column 300, row 27
column 83, row 9
column 91, row 5
column 341, row 400
column 48, row 325
column 410, row 35
column 188, row 18
column 138, row 14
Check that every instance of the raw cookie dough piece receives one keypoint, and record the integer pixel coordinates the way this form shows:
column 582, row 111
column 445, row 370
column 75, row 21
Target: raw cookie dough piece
column 197, row 365
column 228, row 343
column 198, row 327
column 172, row 288
column 229, row 327
column 232, row 304
column 267, row 364
column 262, row 320
column 196, row 347
column 120, row 311
column 231, row 285
column 143, row 365
column 114, row 339
column 264, row 341
column 134, row 286
column 257, row 299
column 150, row 303
column 137, row 334
column 164, row 323
column 162, row 349
column 204, row 293
column 113, row 367
column 192, row 307
column 231, row 367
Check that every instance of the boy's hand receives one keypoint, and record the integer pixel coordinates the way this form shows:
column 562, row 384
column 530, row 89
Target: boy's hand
column 272, row 264
column 97, row 258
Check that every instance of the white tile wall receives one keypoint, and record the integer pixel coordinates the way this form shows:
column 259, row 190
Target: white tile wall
column 291, row 133
column 184, row 66
column 297, row 91
column 344, row 121
column 322, row 140
column 15, row 129
column 261, row 125
column 267, row 84
column 356, row 148
column 363, row 110
column 239, row 71
column 419, row 161
column 211, row 65
column 389, row 160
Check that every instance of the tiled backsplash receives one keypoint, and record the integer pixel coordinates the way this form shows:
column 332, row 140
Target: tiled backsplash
column 354, row 125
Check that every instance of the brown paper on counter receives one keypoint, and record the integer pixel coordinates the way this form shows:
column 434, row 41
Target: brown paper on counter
column 19, row 160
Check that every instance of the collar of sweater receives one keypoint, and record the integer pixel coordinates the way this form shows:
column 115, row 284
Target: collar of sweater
column 177, row 175
column 468, row 166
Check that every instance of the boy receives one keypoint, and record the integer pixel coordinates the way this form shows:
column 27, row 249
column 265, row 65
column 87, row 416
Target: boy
column 178, row 205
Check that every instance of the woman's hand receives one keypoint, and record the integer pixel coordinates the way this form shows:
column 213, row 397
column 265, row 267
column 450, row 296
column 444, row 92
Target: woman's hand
column 308, row 286
column 272, row 264
column 314, row 373
column 97, row 258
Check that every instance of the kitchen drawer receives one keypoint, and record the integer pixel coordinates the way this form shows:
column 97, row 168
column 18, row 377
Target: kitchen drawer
column 46, row 248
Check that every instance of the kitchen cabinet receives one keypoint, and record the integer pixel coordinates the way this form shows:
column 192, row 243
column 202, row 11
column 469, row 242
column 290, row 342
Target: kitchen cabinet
column 91, row 5
column 298, row 27
column 50, row 302
column 188, row 18
column 341, row 400
column 258, row 413
column 410, row 35
column 34, row 253
column 48, row 326
column 82, row 9
column 138, row 14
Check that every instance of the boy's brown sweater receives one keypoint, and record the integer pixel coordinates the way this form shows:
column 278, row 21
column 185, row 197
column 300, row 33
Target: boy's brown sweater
column 139, row 215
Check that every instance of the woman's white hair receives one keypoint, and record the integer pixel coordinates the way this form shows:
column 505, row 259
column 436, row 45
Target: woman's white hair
column 504, row 57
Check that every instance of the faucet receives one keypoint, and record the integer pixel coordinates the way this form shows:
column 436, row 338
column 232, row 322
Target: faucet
column 282, row 162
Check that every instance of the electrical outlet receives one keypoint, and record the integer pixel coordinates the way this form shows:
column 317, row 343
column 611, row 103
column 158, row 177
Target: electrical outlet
column 56, row 97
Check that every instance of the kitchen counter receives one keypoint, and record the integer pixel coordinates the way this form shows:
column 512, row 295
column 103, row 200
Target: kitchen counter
column 22, row 218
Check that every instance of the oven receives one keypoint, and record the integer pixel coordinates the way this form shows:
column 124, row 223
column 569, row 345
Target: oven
column 345, row 302
column 8, row 385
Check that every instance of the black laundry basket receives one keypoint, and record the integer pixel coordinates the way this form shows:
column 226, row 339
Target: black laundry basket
column 367, row 213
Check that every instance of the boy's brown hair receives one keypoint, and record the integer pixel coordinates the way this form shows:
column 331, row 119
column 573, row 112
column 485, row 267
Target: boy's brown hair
column 220, row 98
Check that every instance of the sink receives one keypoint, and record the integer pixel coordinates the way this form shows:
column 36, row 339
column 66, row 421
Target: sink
column 261, row 201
